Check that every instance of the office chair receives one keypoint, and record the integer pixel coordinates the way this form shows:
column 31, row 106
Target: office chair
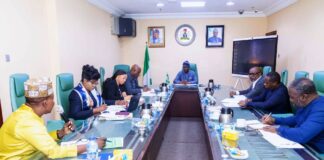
column 301, row 74
column 17, row 92
column 318, row 78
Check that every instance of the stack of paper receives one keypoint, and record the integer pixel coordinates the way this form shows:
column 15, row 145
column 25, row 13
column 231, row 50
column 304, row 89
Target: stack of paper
column 150, row 93
column 115, row 112
column 114, row 109
column 233, row 102
column 115, row 116
column 279, row 141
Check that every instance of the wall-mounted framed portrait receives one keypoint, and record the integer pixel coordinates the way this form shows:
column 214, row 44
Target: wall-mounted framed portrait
column 215, row 36
column 185, row 35
column 156, row 37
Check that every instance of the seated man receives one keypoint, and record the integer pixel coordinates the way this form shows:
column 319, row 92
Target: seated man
column 24, row 133
column 132, row 87
column 307, row 125
column 186, row 76
column 255, row 75
column 274, row 98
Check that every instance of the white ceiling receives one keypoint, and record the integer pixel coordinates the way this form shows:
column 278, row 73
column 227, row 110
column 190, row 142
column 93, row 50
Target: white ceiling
column 172, row 8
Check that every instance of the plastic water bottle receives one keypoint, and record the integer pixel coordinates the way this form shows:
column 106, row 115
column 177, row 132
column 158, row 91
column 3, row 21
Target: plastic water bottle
column 92, row 149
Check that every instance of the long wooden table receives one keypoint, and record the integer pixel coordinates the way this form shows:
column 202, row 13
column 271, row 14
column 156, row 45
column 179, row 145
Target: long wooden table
column 185, row 102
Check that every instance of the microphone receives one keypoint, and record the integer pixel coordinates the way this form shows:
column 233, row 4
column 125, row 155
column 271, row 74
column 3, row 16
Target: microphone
column 66, row 120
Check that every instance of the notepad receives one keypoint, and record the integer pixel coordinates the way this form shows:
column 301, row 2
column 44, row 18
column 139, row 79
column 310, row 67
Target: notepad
column 115, row 142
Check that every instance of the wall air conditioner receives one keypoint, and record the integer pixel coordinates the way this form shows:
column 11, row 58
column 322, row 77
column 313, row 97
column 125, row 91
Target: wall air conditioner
column 114, row 25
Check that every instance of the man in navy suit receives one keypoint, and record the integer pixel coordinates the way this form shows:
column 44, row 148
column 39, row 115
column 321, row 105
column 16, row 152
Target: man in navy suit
column 274, row 99
column 255, row 75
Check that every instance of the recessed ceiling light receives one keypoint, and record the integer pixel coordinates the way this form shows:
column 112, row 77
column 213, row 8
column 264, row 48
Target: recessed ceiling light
column 230, row 3
column 193, row 4
column 160, row 5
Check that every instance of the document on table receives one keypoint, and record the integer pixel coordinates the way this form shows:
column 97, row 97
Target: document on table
column 233, row 102
column 115, row 117
column 255, row 124
column 115, row 142
column 279, row 141
column 148, row 94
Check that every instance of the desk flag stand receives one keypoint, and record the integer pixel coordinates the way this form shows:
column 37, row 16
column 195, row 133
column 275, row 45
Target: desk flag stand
column 239, row 81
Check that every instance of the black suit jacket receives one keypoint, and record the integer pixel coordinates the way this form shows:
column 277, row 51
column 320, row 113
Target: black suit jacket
column 257, row 90
column 111, row 91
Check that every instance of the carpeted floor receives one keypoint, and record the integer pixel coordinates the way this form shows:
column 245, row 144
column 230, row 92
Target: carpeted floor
column 184, row 139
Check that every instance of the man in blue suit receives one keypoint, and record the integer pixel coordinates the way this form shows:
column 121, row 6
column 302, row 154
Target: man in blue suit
column 307, row 125
column 214, row 38
column 256, row 88
column 132, row 87
column 274, row 99
column 186, row 76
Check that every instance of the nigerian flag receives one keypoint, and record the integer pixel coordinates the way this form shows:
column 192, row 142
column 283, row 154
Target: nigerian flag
column 147, row 81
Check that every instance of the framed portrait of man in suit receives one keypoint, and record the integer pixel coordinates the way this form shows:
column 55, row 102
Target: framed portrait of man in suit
column 156, row 37
column 215, row 36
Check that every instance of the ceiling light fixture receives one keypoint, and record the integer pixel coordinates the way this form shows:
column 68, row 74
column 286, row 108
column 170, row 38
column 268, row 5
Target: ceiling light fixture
column 193, row 4
column 160, row 5
column 230, row 3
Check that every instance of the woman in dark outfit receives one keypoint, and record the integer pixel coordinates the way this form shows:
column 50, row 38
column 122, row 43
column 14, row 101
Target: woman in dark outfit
column 114, row 91
column 85, row 101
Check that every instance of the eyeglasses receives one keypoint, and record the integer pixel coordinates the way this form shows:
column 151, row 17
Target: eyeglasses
column 93, row 82
column 253, row 74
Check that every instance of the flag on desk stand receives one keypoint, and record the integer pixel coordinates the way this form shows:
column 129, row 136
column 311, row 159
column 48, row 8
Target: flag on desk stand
column 147, row 80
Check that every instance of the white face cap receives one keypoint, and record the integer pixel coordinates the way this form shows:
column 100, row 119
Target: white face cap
column 38, row 88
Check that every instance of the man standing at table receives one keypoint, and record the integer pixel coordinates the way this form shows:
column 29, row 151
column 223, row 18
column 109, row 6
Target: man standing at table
column 307, row 125
column 132, row 87
column 24, row 134
column 186, row 76
column 255, row 75
column 274, row 98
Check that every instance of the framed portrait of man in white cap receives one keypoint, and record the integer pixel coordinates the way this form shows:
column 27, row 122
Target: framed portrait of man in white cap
column 156, row 37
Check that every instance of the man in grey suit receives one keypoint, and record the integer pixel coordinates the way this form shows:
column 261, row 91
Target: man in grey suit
column 257, row 87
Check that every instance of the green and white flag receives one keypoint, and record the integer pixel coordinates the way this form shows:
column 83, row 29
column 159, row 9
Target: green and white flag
column 147, row 81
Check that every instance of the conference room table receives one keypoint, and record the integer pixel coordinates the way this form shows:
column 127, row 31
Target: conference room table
column 185, row 101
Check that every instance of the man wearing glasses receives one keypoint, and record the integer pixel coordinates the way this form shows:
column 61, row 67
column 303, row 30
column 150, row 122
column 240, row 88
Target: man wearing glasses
column 255, row 75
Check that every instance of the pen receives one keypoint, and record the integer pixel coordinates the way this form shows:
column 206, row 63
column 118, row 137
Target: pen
column 106, row 139
column 268, row 116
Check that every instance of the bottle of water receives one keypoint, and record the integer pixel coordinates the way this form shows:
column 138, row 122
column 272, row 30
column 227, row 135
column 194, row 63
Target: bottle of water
column 92, row 149
column 167, row 79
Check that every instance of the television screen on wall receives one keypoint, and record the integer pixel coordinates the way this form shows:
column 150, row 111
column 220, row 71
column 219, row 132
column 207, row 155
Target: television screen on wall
column 256, row 51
